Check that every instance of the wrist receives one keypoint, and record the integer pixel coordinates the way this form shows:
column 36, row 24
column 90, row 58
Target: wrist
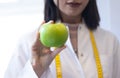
column 38, row 69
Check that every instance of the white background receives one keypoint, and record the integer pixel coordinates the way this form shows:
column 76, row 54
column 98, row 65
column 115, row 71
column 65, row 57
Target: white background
column 18, row 17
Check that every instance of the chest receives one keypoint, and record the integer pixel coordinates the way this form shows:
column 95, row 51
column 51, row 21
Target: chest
column 87, row 59
column 73, row 66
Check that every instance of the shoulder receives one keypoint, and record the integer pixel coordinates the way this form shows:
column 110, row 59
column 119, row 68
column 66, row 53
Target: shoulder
column 104, row 34
column 106, row 37
column 107, row 40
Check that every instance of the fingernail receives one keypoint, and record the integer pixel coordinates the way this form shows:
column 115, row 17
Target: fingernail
column 51, row 21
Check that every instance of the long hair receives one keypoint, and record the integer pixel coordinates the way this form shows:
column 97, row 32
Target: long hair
column 90, row 14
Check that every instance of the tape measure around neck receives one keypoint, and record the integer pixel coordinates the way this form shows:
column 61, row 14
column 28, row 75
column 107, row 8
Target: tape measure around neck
column 96, row 55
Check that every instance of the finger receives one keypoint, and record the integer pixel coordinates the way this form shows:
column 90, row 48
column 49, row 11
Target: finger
column 38, row 33
column 37, row 40
column 45, row 51
column 37, row 37
column 42, row 22
column 57, row 50
column 50, row 22
column 41, row 25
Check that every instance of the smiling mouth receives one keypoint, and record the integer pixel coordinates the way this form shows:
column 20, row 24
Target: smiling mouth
column 74, row 5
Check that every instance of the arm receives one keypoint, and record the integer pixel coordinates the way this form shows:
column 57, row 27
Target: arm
column 19, row 62
column 20, row 65
column 116, row 60
column 31, row 61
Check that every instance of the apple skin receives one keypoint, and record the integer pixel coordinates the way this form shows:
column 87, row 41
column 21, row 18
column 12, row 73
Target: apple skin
column 53, row 35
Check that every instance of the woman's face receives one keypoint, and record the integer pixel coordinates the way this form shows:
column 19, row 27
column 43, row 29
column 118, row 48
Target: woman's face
column 71, row 7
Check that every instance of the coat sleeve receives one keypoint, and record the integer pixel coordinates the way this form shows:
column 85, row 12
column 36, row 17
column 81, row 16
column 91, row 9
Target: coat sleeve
column 116, row 59
column 20, row 66
column 28, row 72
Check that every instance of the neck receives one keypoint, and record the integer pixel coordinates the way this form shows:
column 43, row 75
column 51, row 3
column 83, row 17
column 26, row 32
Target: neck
column 71, row 19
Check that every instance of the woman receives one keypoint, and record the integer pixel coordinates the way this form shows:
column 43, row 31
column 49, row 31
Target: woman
column 90, row 52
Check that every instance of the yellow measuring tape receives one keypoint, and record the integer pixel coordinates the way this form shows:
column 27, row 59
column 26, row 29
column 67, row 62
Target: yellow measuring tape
column 96, row 55
column 58, row 66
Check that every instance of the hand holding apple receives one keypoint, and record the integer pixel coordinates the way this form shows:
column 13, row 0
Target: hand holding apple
column 42, row 56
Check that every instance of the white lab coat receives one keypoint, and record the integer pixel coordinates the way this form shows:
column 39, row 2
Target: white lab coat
column 72, row 66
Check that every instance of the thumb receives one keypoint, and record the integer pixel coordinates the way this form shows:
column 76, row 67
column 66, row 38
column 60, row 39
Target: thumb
column 41, row 25
column 38, row 33
column 57, row 51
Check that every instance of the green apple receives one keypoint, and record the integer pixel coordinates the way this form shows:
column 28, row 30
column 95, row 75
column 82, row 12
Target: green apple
column 53, row 34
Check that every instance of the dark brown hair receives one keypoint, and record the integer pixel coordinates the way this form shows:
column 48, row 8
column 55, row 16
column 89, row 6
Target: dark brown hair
column 90, row 13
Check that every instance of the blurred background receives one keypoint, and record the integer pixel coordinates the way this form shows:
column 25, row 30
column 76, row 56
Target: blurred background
column 18, row 17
